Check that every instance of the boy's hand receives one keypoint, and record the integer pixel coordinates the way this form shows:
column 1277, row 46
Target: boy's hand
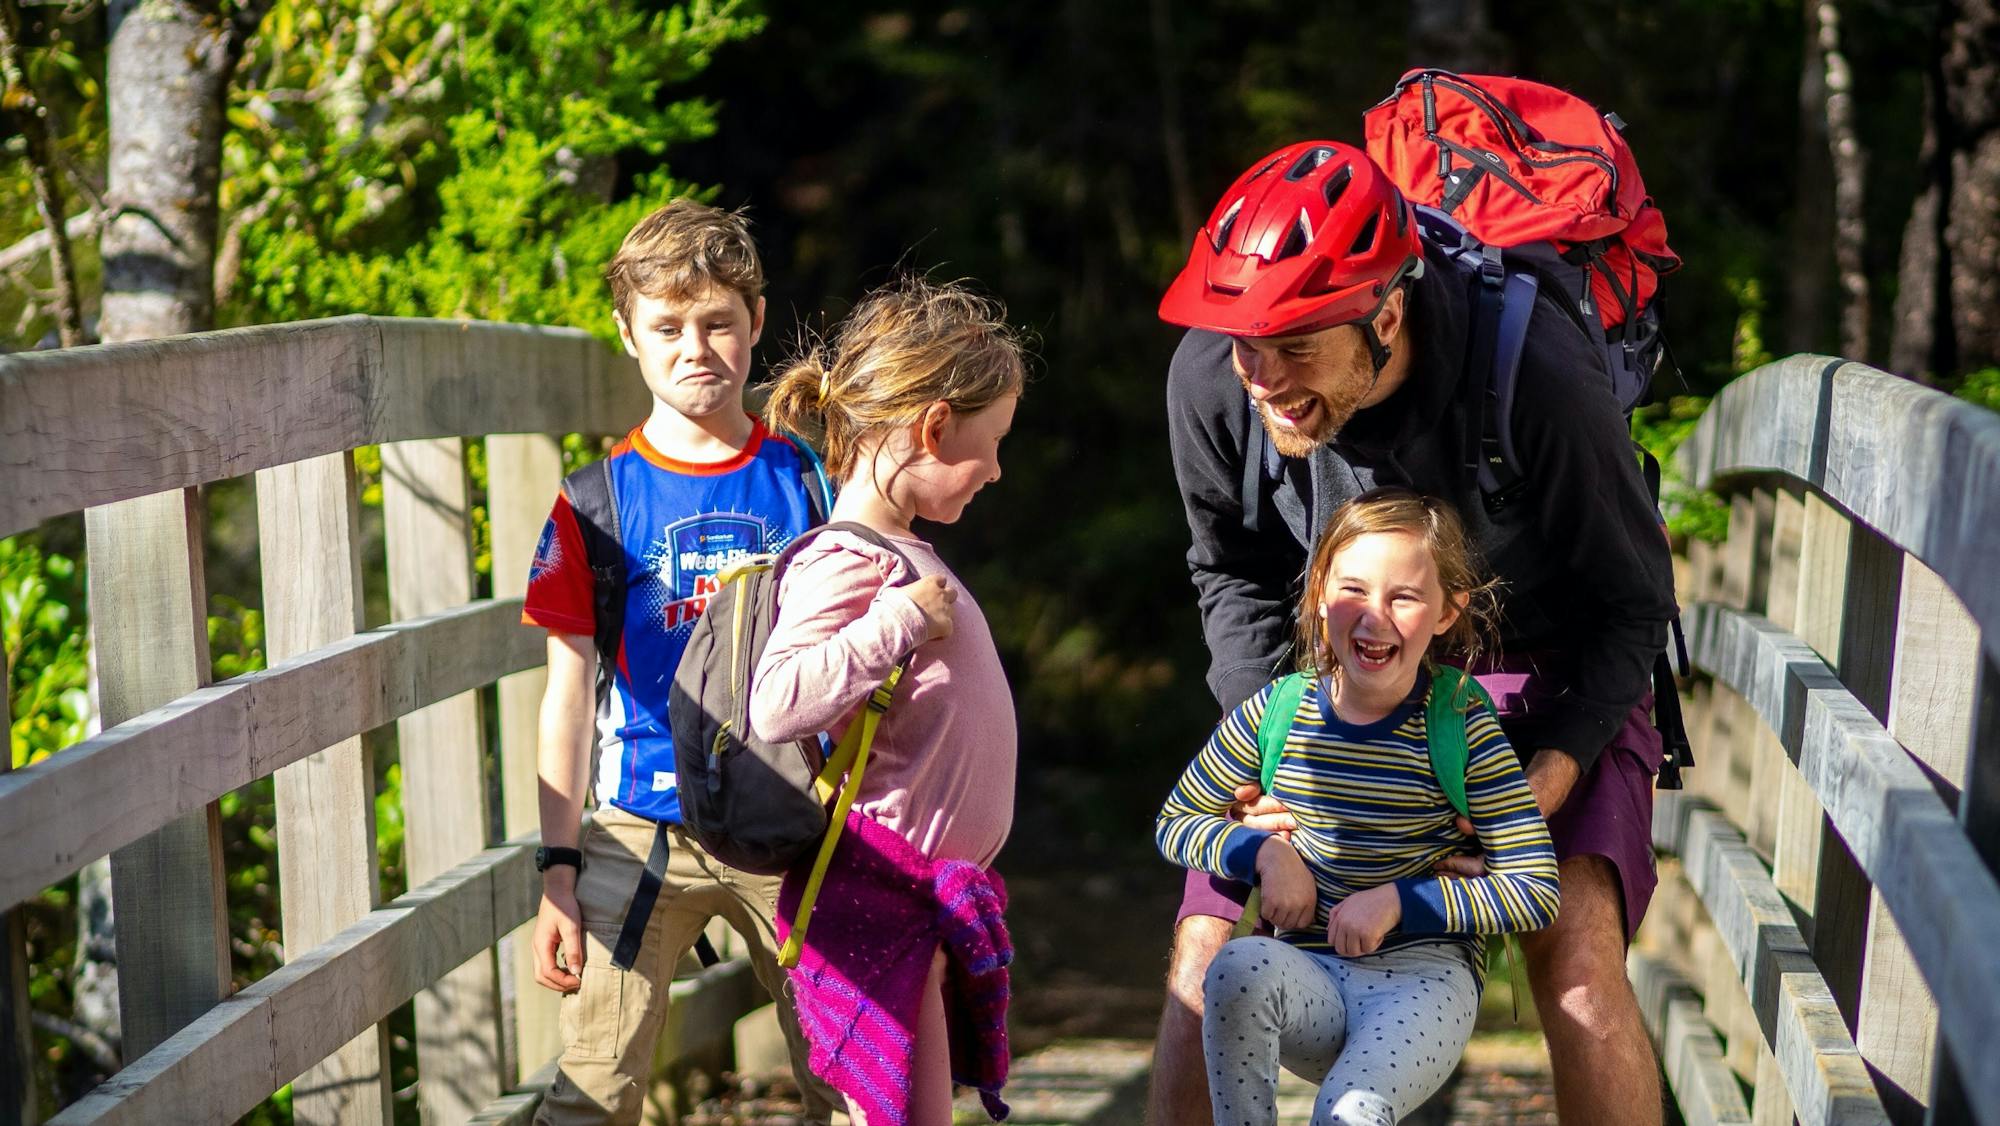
column 1285, row 887
column 934, row 598
column 1360, row 922
column 1258, row 810
column 559, row 924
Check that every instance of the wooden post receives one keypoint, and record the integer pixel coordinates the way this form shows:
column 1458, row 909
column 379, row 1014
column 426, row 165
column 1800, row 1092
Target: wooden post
column 523, row 472
column 1979, row 812
column 17, row 1037
column 1850, row 588
column 1930, row 714
column 149, row 628
column 426, row 509
column 308, row 530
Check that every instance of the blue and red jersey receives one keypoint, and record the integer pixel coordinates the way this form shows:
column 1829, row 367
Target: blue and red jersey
column 681, row 524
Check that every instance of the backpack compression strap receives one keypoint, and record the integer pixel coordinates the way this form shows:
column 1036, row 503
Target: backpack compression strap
column 1451, row 695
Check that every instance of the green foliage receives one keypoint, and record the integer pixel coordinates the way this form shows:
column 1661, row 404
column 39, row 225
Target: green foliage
column 461, row 162
column 43, row 632
column 1661, row 428
column 1981, row 387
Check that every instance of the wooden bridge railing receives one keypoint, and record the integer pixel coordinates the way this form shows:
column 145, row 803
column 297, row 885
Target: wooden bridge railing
column 127, row 434
column 1830, row 907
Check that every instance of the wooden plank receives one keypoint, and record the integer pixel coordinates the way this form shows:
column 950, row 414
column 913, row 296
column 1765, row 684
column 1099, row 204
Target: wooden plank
column 1886, row 810
column 220, row 1067
column 1795, row 1011
column 309, row 538
column 1919, row 466
column 1770, row 1102
column 1704, row 1089
column 149, row 631
column 117, row 786
column 1788, row 530
column 427, row 516
column 517, row 1107
column 523, row 472
column 88, row 426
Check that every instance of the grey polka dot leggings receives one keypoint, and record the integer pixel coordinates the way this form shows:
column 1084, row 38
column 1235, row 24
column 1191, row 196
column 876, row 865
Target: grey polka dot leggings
column 1379, row 1033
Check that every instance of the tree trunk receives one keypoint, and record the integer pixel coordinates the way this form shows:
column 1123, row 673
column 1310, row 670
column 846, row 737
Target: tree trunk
column 1946, row 321
column 169, row 67
column 1453, row 34
column 1807, row 289
column 1849, row 174
column 41, row 169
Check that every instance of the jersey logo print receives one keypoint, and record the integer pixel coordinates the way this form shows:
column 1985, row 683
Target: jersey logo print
column 688, row 556
column 548, row 554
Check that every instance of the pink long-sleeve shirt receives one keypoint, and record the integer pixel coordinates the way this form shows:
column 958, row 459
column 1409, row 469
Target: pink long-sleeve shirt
column 941, row 772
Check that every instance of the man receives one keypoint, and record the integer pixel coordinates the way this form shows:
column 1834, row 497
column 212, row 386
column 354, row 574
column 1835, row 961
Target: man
column 1310, row 290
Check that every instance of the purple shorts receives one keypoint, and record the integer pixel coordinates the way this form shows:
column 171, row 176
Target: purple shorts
column 1609, row 813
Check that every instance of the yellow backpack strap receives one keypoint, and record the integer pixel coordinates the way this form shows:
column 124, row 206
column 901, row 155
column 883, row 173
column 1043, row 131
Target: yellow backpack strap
column 851, row 758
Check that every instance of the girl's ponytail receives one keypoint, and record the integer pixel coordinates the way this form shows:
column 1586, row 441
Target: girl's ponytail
column 905, row 346
column 796, row 404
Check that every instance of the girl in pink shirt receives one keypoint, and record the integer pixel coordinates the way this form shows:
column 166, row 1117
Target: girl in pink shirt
column 912, row 399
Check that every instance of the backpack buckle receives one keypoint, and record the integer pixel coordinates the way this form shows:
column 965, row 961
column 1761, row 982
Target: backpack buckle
column 1492, row 271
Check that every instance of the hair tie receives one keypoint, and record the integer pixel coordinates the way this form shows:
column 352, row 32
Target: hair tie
column 825, row 385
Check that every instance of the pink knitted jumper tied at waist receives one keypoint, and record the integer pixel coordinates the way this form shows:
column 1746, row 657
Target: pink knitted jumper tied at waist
column 882, row 911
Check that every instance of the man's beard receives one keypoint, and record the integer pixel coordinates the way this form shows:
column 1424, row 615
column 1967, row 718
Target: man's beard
column 1328, row 416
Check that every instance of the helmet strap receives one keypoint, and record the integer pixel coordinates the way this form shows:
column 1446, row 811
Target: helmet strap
column 1378, row 352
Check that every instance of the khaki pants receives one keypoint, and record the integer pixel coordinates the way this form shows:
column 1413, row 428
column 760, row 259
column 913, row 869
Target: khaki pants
column 612, row 1023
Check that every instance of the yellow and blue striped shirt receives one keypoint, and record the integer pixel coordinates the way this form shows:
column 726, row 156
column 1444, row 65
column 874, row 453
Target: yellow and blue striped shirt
column 1370, row 812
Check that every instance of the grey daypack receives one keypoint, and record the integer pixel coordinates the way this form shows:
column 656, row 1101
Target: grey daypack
column 756, row 806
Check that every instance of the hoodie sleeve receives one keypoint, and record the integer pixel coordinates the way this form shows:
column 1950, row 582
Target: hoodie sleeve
column 1593, row 506
column 1244, row 579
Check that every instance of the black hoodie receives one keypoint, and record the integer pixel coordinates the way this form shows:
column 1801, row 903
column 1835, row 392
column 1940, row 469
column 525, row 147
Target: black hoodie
column 1586, row 572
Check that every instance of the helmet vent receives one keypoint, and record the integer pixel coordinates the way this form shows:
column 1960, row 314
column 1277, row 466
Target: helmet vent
column 1295, row 242
column 1223, row 228
column 1365, row 241
column 1336, row 185
column 1310, row 159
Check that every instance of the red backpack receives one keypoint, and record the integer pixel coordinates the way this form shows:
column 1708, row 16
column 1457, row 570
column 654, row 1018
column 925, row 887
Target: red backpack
column 1546, row 176
column 1503, row 164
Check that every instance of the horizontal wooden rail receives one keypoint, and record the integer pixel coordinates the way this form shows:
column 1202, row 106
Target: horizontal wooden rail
column 1915, row 464
column 116, row 787
column 1887, row 811
column 1704, row 1088
column 1795, row 1010
column 221, row 1066
column 82, row 427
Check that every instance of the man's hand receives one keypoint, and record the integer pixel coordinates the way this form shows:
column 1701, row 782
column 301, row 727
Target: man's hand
column 559, row 924
column 1360, row 922
column 1288, row 895
column 1471, row 865
column 1258, row 810
column 1551, row 775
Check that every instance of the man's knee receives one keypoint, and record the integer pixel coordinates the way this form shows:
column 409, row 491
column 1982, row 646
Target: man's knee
column 1577, row 965
column 1196, row 942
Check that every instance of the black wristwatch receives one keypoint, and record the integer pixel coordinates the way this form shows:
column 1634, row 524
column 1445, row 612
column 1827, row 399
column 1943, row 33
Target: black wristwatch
column 545, row 856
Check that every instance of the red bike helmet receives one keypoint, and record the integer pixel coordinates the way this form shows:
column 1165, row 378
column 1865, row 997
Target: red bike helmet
column 1313, row 235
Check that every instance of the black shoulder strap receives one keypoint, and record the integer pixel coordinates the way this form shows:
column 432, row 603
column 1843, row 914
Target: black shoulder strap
column 1252, row 498
column 1503, row 305
column 595, row 504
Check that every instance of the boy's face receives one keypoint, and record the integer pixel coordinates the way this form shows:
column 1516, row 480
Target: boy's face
column 694, row 355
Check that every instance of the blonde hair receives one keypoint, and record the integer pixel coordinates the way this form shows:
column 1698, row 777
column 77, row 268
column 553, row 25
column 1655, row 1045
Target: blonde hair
column 1432, row 521
column 683, row 250
column 907, row 345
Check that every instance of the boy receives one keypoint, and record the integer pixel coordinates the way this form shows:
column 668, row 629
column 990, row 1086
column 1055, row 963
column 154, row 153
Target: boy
column 700, row 483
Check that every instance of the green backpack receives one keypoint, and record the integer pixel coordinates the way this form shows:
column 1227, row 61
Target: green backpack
column 1445, row 725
